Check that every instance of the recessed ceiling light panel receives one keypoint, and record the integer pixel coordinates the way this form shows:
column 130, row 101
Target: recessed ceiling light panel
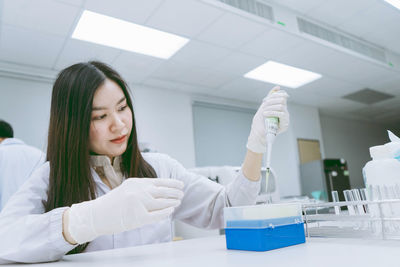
column 277, row 73
column 109, row 31
column 395, row 3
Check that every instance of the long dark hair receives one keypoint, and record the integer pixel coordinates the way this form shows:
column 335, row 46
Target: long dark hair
column 68, row 150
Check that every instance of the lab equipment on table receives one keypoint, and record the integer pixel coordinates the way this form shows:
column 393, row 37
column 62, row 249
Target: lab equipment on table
column 335, row 198
column 384, row 168
column 348, row 197
column 370, row 213
column 263, row 227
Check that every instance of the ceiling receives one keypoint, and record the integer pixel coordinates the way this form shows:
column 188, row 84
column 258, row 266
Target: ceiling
column 224, row 45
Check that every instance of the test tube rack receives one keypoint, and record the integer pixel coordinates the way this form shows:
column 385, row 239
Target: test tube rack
column 370, row 219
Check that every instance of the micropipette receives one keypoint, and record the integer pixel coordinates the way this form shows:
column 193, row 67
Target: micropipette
column 271, row 128
column 271, row 125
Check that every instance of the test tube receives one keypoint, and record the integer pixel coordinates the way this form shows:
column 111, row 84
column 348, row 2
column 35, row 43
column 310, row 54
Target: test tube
column 373, row 195
column 348, row 196
column 388, row 193
column 357, row 197
column 397, row 191
column 396, row 209
column 335, row 198
column 375, row 192
column 385, row 192
column 364, row 197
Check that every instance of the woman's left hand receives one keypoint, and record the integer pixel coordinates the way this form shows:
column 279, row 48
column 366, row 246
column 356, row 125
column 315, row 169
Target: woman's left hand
column 274, row 105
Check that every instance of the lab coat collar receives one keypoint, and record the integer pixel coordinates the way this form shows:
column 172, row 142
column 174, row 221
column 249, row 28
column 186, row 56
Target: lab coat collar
column 104, row 169
column 11, row 141
column 102, row 160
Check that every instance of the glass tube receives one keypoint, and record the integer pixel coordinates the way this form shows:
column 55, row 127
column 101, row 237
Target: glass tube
column 364, row 197
column 374, row 209
column 348, row 196
column 357, row 197
column 335, row 198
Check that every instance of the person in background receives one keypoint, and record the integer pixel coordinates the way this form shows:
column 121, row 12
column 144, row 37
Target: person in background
column 17, row 162
column 98, row 191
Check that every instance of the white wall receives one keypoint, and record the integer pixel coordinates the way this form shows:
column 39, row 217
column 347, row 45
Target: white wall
column 221, row 134
column 164, row 119
column 26, row 106
column 351, row 139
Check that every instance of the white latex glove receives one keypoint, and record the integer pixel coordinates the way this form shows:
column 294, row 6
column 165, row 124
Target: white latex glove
column 136, row 202
column 274, row 105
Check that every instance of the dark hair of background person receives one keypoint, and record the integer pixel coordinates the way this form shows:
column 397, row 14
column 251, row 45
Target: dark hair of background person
column 68, row 152
column 6, row 131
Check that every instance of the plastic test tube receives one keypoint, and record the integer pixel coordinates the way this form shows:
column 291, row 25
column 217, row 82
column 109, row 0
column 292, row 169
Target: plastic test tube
column 374, row 194
column 364, row 194
column 387, row 193
column 396, row 209
column 397, row 191
column 357, row 197
column 335, row 198
column 348, row 196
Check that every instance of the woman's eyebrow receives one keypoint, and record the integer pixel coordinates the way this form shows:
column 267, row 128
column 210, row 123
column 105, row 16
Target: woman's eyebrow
column 101, row 108
column 121, row 100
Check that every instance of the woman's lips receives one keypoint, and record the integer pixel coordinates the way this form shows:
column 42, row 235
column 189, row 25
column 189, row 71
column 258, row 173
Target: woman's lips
column 119, row 140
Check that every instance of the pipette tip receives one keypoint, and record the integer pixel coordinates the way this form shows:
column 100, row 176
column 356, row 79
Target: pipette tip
column 266, row 180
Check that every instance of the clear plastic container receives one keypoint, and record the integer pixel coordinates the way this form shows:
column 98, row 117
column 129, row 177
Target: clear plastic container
column 264, row 227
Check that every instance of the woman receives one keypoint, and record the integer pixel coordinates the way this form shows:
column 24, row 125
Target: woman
column 97, row 191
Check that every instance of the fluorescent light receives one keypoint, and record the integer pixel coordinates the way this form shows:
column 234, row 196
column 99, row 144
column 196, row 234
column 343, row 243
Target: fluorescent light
column 277, row 73
column 109, row 31
column 395, row 3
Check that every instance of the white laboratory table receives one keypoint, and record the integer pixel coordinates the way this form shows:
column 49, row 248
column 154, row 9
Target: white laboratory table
column 211, row 251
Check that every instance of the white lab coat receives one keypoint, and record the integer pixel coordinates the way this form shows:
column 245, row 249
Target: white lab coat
column 28, row 234
column 17, row 161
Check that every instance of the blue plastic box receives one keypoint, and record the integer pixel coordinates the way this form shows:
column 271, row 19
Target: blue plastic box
column 263, row 227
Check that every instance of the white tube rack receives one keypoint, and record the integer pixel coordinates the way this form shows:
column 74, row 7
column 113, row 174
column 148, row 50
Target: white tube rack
column 379, row 219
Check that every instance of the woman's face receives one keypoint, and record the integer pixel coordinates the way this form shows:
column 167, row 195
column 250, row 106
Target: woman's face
column 111, row 121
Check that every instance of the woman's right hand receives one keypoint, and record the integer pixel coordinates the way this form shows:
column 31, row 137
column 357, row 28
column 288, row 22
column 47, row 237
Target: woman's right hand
column 136, row 202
